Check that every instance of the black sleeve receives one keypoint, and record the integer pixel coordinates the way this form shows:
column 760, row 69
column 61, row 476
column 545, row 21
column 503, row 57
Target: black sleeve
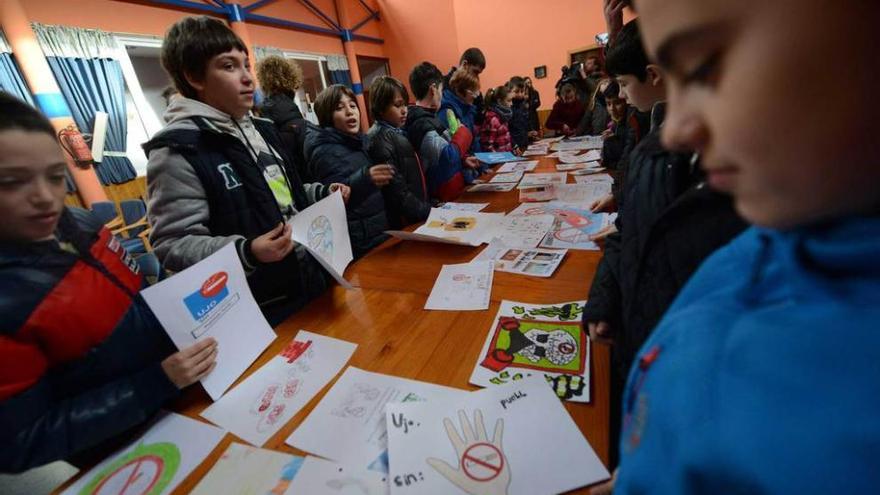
column 604, row 303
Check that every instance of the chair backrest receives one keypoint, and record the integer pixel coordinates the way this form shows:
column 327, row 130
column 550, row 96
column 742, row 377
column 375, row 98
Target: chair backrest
column 133, row 210
column 104, row 210
column 150, row 268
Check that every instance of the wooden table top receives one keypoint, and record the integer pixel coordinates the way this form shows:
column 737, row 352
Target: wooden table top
column 385, row 316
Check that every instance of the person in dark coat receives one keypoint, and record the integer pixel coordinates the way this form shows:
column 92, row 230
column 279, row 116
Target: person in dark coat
column 473, row 61
column 406, row 196
column 534, row 100
column 567, row 112
column 337, row 153
column 626, row 129
column 519, row 121
column 83, row 359
column 280, row 78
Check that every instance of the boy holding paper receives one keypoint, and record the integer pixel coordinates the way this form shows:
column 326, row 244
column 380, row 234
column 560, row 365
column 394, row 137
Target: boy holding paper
column 82, row 357
column 218, row 175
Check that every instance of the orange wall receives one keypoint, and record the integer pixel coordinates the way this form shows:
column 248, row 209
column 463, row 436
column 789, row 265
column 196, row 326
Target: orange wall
column 136, row 18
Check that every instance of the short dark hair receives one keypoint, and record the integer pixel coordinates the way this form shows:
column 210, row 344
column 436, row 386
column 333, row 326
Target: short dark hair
column 626, row 55
column 473, row 56
column 15, row 114
column 383, row 91
column 190, row 44
column 326, row 101
column 422, row 77
column 516, row 82
column 612, row 91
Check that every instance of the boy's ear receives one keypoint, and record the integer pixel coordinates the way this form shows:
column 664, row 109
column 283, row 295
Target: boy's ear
column 198, row 85
column 655, row 74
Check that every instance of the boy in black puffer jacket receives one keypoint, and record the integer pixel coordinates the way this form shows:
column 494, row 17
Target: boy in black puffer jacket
column 406, row 197
column 337, row 153
column 83, row 360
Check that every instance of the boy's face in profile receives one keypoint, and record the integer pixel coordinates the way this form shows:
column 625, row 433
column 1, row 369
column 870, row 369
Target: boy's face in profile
column 347, row 116
column 31, row 185
column 640, row 94
column 227, row 84
column 789, row 148
column 395, row 114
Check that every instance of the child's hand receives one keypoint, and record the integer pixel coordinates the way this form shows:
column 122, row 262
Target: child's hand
column 604, row 203
column 607, row 134
column 517, row 152
column 381, row 174
column 273, row 245
column 613, row 17
column 472, row 162
column 342, row 188
column 599, row 330
column 192, row 364
column 566, row 129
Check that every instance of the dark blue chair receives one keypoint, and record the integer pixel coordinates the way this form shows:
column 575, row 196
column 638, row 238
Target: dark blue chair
column 150, row 268
column 104, row 210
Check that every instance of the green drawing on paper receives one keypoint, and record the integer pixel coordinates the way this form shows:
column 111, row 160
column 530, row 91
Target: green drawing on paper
column 147, row 470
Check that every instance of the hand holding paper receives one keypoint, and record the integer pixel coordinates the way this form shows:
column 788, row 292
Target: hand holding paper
column 484, row 467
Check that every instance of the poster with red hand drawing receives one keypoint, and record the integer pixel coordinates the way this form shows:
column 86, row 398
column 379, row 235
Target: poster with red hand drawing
column 261, row 404
column 546, row 340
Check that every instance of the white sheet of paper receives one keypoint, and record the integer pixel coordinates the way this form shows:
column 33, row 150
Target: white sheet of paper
column 491, row 188
column 566, row 158
column 536, row 152
column 522, row 231
column 463, row 227
column 582, row 193
column 587, row 171
column 569, row 167
column 546, row 340
column 594, row 179
column 463, row 206
column 243, row 469
column 590, row 143
column 212, row 299
column 536, row 146
column 462, row 287
column 536, row 262
column 323, row 230
column 322, row 477
column 540, row 179
column 505, row 177
column 526, row 166
column 156, row 462
column 352, row 414
column 516, row 439
column 261, row 404
column 549, row 141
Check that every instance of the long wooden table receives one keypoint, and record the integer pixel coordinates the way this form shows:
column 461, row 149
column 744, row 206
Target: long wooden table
column 384, row 315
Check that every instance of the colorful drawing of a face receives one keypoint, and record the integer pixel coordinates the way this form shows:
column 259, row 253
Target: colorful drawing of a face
column 555, row 347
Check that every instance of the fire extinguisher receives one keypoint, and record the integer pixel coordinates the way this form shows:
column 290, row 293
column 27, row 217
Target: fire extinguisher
column 75, row 145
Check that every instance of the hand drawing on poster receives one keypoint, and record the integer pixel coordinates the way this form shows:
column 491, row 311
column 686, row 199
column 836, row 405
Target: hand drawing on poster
column 528, row 339
column 322, row 229
column 507, row 440
column 353, row 414
column 212, row 299
column 156, row 462
column 260, row 405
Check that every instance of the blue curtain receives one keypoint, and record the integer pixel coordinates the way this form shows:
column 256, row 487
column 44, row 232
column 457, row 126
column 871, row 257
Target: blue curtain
column 340, row 77
column 95, row 84
column 11, row 80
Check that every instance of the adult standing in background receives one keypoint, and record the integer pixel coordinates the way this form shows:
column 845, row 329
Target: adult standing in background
column 534, row 102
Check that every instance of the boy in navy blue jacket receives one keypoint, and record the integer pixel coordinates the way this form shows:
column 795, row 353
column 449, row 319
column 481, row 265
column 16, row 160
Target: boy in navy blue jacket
column 763, row 376
column 82, row 357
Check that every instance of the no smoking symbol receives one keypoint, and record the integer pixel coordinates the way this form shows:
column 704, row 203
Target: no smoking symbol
column 482, row 462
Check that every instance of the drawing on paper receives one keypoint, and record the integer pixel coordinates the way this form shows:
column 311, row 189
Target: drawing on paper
column 210, row 302
column 320, row 235
column 539, row 345
column 147, row 470
column 482, row 466
column 457, row 224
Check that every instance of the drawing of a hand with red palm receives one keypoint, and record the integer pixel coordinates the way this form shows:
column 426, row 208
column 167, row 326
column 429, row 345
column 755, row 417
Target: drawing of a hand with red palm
column 483, row 468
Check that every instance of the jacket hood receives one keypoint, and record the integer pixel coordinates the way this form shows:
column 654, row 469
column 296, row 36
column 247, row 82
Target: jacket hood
column 844, row 251
column 324, row 136
column 182, row 109
column 415, row 112
column 280, row 108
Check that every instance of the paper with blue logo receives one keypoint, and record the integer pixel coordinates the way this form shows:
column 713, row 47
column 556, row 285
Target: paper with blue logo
column 496, row 157
column 212, row 299
column 323, row 230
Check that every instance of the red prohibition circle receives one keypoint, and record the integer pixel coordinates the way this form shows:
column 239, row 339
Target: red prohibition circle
column 135, row 465
column 566, row 348
column 214, row 284
column 494, row 470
